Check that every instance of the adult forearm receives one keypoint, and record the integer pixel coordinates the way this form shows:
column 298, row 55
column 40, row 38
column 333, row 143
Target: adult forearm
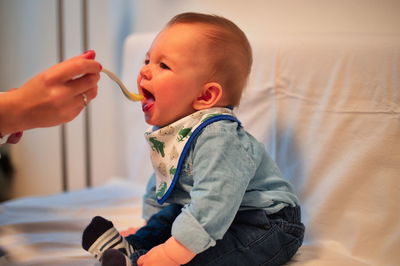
column 12, row 113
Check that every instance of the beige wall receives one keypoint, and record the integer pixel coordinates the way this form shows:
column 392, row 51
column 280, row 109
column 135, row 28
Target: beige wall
column 28, row 45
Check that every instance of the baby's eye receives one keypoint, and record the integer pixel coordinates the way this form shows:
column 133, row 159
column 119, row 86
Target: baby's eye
column 146, row 61
column 164, row 66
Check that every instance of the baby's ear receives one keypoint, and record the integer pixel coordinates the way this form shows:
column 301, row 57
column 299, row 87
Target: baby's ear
column 209, row 96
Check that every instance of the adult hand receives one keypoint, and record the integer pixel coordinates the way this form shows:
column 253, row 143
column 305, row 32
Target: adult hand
column 52, row 97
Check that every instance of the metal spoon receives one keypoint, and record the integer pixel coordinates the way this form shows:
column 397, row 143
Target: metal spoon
column 130, row 95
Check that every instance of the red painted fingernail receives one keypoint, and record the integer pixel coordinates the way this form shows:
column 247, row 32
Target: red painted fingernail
column 89, row 54
column 88, row 51
column 14, row 138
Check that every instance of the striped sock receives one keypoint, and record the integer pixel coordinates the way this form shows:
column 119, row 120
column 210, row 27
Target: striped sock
column 101, row 235
column 113, row 257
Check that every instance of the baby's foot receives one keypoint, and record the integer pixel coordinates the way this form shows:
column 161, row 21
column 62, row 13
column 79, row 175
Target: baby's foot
column 100, row 235
column 113, row 257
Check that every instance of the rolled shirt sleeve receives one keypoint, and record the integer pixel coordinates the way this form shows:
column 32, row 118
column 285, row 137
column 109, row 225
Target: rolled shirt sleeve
column 222, row 169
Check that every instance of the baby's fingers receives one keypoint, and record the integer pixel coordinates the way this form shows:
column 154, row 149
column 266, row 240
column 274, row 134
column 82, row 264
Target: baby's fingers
column 128, row 232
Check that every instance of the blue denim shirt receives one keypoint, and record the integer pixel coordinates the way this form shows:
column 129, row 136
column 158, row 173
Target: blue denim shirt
column 226, row 170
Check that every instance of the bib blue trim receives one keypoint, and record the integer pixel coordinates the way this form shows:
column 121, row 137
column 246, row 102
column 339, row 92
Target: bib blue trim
column 186, row 148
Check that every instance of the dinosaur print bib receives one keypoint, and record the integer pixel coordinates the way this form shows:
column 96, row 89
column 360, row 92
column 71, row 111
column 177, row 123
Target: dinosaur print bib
column 170, row 144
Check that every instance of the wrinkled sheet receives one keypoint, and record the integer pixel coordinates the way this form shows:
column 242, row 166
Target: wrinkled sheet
column 48, row 230
column 329, row 113
column 327, row 107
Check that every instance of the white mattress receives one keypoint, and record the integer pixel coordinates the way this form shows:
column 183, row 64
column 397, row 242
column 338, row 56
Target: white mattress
column 48, row 230
column 327, row 108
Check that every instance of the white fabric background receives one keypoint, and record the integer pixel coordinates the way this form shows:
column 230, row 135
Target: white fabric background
column 327, row 108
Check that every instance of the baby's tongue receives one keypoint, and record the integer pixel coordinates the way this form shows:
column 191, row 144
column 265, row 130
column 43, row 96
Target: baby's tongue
column 148, row 103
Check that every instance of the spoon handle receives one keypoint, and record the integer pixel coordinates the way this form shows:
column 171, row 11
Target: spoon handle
column 131, row 96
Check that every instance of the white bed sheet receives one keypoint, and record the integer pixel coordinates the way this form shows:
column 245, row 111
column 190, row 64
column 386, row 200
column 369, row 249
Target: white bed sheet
column 327, row 108
column 48, row 230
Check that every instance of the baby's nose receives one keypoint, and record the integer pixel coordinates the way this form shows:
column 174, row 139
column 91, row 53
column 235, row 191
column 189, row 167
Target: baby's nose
column 145, row 72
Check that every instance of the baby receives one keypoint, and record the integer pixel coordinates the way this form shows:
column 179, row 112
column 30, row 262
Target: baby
column 216, row 197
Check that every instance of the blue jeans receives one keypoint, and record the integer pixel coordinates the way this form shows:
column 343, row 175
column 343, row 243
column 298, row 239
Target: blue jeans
column 254, row 238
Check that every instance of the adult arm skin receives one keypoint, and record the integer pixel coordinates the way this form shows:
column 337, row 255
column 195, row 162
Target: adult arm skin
column 52, row 97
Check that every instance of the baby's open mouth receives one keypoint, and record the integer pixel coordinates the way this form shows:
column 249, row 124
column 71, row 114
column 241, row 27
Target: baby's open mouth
column 148, row 100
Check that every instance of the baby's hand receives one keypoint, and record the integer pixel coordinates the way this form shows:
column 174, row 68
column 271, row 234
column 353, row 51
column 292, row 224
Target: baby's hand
column 129, row 231
column 156, row 257
column 170, row 253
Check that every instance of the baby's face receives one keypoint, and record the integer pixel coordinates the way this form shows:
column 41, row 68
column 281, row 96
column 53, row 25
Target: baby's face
column 176, row 69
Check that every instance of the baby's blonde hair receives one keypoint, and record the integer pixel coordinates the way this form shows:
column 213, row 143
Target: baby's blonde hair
column 231, row 51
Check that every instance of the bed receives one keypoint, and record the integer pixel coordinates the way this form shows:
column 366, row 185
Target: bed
column 327, row 107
